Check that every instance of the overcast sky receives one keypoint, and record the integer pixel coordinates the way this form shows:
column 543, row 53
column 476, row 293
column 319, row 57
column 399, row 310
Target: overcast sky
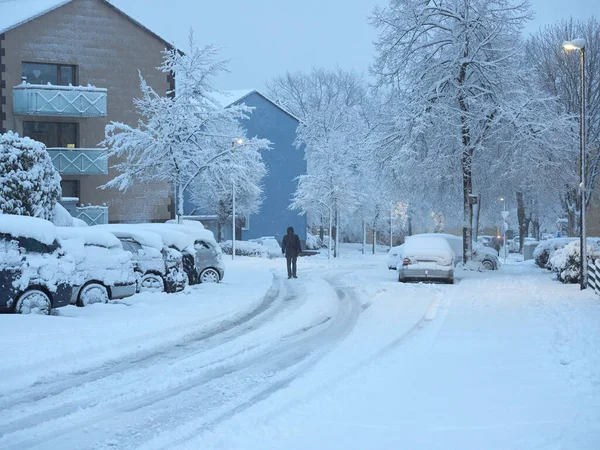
column 264, row 38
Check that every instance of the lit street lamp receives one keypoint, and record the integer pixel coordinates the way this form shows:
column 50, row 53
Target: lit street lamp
column 579, row 44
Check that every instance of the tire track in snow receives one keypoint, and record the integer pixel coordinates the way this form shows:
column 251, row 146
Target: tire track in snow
column 273, row 303
column 294, row 353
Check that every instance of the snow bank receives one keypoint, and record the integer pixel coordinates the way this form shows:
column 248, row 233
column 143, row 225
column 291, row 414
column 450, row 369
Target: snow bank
column 566, row 261
column 29, row 227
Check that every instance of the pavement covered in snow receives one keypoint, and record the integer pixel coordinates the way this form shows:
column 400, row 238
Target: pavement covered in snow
column 344, row 357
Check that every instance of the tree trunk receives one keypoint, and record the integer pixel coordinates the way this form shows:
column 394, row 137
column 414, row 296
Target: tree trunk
column 364, row 242
column 467, row 206
column 374, row 239
column 521, row 219
column 409, row 226
column 337, row 234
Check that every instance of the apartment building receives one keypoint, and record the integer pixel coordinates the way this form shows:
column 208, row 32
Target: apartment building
column 67, row 69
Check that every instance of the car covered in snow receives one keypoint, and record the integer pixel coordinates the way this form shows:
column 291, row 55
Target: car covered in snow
column 486, row 257
column 392, row 258
column 35, row 271
column 426, row 258
column 157, row 267
column 103, row 270
column 208, row 255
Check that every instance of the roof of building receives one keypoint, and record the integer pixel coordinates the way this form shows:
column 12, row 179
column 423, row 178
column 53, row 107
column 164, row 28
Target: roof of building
column 14, row 13
column 228, row 98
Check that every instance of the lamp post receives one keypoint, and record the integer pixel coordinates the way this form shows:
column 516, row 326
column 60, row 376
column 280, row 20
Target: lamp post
column 579, row 44
column 233, row 144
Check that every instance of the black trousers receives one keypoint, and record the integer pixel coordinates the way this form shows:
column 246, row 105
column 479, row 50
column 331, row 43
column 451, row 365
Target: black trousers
column 291, row 265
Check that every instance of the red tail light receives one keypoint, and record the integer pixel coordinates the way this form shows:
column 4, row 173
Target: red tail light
column 405, row 262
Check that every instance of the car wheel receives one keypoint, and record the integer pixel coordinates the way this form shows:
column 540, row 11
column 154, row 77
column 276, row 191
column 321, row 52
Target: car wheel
column 209, row 276
column 33, row 301
column 92, row 293
column 488, row 265
column 152, row 282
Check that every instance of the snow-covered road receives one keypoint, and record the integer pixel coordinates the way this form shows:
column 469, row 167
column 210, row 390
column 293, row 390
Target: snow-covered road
column 344, row 357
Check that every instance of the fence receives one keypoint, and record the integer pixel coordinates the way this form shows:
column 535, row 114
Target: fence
column 594, row 274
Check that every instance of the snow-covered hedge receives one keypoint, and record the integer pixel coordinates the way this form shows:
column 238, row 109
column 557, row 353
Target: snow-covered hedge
column 546, row 249
column 30, row 183
column 243, row 248
column 566, row 260
column 313, row 242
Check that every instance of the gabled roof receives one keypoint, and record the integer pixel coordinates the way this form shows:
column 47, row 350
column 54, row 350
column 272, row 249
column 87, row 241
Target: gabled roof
column 228, row 98
column 14, row 13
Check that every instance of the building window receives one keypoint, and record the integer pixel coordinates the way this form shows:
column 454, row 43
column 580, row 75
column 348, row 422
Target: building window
column 42, row 73
column 52, row 134
column 70, row 188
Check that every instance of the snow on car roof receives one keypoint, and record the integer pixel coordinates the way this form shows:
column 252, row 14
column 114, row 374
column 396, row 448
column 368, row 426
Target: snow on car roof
column 90, row 236
column 171, row 237
column 29, row 227
column 131, row 231
column 195, row 232
column 192, row 223
column 425, row 245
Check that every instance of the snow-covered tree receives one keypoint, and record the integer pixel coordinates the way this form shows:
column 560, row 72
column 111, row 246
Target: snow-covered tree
column 213, row 190
column 452, row 62
column 181, row 134
column 336, row 128
column 29, row 183
column 557, row 72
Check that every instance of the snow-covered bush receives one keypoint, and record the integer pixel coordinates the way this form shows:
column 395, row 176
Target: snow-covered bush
column 313, row 242
column 544, row 252
column 566, row 260
column 243, row 248
column 30, row 183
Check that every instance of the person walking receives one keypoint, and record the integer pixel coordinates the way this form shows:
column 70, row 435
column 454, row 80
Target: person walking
column 290, row 246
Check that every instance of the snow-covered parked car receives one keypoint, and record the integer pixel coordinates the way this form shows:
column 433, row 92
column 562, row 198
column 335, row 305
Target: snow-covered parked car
column 513, row 244
column 103, row 270
column 544, row 252
column 392, row 258
column 208, row 256
column 271, row 244
column 426, row 258
column 157, row 267
column 35, row 271
column 487, row 257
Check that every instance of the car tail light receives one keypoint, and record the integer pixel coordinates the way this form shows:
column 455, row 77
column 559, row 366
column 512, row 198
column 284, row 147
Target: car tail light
column 405, row 262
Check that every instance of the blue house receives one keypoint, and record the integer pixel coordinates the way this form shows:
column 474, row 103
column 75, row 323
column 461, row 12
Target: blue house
column 284, row 164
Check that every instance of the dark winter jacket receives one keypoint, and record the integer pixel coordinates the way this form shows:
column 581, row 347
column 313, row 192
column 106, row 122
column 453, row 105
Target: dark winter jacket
column 290, row 245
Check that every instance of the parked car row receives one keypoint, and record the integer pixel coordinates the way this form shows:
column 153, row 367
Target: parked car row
column 433, row 256
column 44, row 266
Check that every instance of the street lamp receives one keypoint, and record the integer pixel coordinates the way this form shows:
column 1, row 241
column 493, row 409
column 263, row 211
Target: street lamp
column 233, row 144
column 579, row 44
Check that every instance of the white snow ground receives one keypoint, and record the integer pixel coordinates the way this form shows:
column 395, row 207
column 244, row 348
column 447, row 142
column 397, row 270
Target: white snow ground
column 345, row 357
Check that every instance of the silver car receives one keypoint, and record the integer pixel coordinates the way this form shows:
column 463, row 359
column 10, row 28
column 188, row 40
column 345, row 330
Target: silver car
column 208, row 257
column 426, row 258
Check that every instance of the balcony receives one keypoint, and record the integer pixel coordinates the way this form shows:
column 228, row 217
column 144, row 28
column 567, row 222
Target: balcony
column 79, row 161
column 92, row 215
column 59, row 101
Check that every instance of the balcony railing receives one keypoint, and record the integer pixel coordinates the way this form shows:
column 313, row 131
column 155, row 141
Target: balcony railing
column 64, row 101
column 79, row 161
column 92, row 215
